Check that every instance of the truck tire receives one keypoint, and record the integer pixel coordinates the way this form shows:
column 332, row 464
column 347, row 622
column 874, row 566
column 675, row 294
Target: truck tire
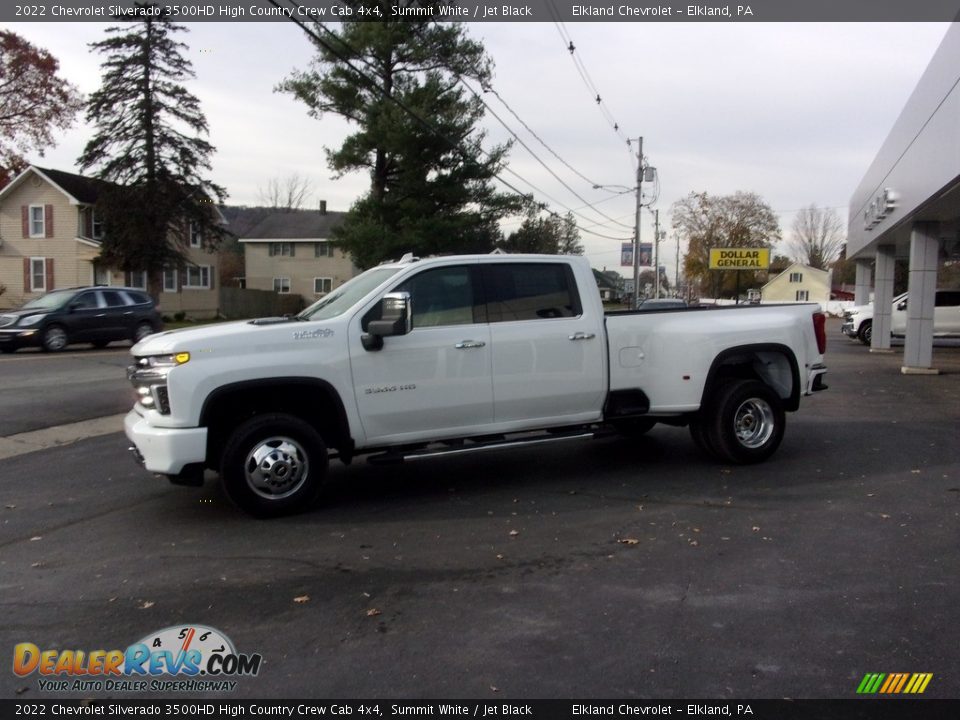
column 865, row 333
column 745, row 422
column 273, row 465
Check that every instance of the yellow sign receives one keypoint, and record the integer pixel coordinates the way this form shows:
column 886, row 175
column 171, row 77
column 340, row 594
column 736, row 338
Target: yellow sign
column 739, row 258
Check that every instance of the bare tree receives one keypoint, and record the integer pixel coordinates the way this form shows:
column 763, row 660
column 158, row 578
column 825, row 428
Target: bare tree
column 286, row 193
column 818, row 236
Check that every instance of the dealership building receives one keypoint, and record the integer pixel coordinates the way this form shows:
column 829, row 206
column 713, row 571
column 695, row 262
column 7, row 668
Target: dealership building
column 908, row 206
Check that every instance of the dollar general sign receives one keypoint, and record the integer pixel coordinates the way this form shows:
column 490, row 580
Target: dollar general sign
column 739, row 258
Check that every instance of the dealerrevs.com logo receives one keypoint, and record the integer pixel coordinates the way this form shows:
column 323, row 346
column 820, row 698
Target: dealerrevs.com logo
column 186, row 658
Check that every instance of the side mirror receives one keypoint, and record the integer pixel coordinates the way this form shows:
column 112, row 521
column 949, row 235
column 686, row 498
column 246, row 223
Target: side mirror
column 902, row 305
column 73, row 307
column 396, row 318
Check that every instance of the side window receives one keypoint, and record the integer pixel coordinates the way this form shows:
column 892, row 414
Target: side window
column 113, row 298
column 443, row 296
column 948, row 298
column 85, row 301
column 530, row 291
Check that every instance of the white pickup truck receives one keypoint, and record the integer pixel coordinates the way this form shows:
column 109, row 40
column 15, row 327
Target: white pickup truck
column 458, row 354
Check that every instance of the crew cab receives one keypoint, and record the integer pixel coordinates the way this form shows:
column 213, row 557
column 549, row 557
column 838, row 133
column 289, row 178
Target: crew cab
column 858, row 320
column 459, row 354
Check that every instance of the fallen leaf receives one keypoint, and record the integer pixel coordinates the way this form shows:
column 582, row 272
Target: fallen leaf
column 147, row 604
column 373, row 612
column 499, row 556
column 10, row 507
column 301, row 599
column 514, row 533
column 694, row 543
column 915, row 472
column 884, row 516
column 628, row 541
column 756, row 528
column 494, row 688
column 36, row 564
column 36, row 537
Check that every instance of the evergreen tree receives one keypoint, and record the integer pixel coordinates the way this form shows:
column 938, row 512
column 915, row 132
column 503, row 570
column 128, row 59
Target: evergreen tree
column 551, row 235
column 431, row 188
column 156, row 192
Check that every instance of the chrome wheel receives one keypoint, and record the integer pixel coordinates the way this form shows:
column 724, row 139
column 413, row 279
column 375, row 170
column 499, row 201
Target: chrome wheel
column 276, row 468
column 754, row 422
column 55, row 338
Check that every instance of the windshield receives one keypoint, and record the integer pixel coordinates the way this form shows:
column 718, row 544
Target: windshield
column 348, row 294
column 50, row 301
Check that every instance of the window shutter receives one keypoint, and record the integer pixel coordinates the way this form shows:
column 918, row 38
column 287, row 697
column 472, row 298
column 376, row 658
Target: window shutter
column 26, row 274
column 293, row 249
column 25, row 225
column 88, row 223
column 270, row 249
column 210, row 274
column 48, row 219
column 48, row 271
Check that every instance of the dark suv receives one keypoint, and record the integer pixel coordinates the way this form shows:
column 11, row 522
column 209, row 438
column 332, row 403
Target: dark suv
column 96, row 315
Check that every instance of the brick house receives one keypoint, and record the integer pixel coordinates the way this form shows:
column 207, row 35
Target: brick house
column 50, row 238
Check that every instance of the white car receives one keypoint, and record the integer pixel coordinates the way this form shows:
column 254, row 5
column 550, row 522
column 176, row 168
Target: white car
column 858, row 320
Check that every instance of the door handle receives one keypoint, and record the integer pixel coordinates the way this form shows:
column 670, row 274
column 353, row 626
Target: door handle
column 582, row 336
column 465, row 344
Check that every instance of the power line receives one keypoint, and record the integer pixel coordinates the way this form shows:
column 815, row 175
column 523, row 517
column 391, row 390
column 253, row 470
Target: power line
column 430, row 127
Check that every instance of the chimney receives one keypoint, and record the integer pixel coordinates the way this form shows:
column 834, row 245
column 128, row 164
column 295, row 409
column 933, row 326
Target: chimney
column 323, row 207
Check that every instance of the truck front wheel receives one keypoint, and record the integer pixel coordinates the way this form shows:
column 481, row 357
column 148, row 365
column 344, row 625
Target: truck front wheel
column 745, row 423
column 273, row 465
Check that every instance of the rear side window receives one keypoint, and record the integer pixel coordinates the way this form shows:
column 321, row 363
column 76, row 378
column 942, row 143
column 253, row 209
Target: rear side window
column 114, row 298
column 530, row 291
column 135, row 298
column 948, row 298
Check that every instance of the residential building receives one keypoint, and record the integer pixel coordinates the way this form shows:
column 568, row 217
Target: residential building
column 290, row 252
column 50, row 237
column 798, row 283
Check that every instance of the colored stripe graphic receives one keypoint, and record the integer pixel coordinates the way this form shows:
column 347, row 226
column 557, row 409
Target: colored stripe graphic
column 894, row 683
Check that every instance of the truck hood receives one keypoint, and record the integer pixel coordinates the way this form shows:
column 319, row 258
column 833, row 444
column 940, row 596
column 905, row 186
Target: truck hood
column 230, row 337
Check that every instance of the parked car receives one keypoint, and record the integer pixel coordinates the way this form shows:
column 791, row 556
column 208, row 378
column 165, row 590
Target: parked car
column 858, row 320
column 96, row 315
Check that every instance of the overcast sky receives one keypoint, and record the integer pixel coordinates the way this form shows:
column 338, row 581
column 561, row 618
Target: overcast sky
column 794, row 112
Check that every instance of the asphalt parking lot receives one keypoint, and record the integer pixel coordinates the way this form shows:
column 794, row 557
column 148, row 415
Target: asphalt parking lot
column 598, row 569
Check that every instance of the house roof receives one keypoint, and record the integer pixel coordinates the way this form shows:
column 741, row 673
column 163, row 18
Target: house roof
column 293, row 225
column 79, row 190
column 794, row 268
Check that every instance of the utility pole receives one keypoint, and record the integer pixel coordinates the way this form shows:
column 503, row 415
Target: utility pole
column 656, row 253
column 676, row 272
column 636, row 232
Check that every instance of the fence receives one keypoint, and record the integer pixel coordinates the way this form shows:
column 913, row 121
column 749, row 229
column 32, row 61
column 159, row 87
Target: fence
column 240, row 303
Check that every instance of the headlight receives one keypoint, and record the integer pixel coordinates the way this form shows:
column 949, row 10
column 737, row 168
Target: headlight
column 164, row 361
column 31, row 320
column 149, row 379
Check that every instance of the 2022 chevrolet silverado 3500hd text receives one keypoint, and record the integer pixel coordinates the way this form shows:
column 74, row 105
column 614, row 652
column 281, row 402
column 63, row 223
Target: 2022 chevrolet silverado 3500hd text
column 458, row 354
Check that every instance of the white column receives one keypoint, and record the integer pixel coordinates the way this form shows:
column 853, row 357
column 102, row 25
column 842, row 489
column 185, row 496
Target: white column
column 922, row 289
column 882, row 298
column 864, row 281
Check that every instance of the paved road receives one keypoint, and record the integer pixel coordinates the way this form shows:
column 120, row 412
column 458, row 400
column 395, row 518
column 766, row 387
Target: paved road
column 39, row 390
column 609, row 568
